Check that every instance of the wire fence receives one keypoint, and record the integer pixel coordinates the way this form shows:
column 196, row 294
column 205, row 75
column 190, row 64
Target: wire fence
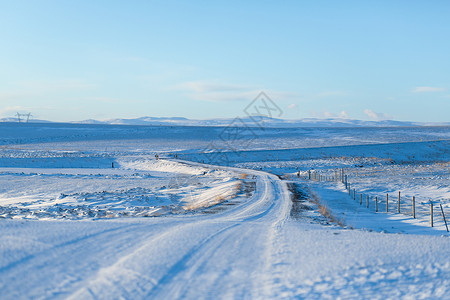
column 409, row 205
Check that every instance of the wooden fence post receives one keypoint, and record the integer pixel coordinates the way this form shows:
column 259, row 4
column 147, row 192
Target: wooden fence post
column 443, row 216
column 376, row 204
column 431, row 213
column 387, row 202
column 398, row 207
column 414, row 207
column 367, row 201
column 360, row 199
column 354, row 194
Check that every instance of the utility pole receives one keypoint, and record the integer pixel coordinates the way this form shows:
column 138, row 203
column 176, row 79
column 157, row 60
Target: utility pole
column 19, row 116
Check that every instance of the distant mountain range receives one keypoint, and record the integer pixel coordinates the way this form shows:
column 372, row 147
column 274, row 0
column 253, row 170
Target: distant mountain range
column 264, row 121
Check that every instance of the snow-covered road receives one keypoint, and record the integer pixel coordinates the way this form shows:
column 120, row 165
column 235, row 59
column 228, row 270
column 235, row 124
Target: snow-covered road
column 202, row 255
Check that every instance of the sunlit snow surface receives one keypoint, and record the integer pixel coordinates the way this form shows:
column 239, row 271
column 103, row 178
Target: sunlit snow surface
column 88, row 212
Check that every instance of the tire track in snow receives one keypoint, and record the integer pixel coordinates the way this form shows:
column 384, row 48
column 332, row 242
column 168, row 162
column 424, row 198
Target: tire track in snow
column 104, row 246
column 42, row 253
column 161, row 290
column 115, row 279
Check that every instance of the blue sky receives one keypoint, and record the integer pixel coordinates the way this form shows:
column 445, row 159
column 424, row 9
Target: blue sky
column 372, row 60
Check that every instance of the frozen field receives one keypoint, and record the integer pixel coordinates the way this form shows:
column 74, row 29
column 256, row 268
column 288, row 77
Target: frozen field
column 89, row 212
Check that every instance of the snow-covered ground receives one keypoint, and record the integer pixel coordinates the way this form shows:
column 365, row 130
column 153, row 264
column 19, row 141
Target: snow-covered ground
column 136, row 186
column 88, row 212
column 374, row 172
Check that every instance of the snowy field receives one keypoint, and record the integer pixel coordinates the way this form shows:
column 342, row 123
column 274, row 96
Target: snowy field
column 89, row 212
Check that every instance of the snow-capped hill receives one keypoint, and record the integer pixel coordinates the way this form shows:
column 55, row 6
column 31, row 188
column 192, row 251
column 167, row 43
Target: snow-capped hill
column 248, row 121
column 263, row 121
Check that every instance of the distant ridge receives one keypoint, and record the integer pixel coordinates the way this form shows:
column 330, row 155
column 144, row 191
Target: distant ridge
column 267, row 122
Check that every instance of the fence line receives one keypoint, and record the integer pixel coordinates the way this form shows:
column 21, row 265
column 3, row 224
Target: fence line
column 340, row 176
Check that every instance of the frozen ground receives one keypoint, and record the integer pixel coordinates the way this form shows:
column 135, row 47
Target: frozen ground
column 74, row 227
